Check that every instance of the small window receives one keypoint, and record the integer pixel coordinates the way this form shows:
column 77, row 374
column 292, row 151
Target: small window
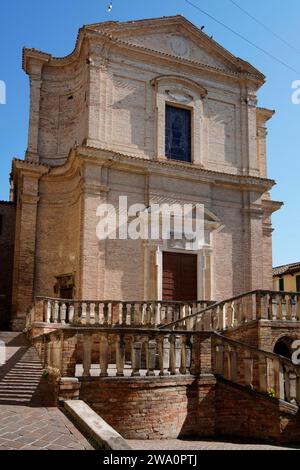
column 298, row 283
column 281, row 284
column 178, row 133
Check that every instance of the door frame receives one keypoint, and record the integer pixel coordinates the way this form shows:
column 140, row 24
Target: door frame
column 203, row 271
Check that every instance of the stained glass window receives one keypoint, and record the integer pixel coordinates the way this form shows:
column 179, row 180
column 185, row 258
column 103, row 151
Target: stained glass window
column 178, row 133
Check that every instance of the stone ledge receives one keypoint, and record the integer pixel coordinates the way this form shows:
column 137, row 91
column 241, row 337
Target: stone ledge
column 103, row 434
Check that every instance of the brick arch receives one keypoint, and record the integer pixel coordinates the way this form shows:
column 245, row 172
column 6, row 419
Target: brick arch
column 283, row 344
column 294, row 336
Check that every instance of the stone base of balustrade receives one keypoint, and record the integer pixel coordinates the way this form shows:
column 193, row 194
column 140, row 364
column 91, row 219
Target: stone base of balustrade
column 69, row 389
column 154, row 407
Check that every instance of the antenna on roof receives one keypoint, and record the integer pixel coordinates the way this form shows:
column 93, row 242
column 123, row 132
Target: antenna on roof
column 110, row 7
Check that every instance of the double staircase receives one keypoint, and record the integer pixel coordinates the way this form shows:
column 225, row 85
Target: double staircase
column 231, row 342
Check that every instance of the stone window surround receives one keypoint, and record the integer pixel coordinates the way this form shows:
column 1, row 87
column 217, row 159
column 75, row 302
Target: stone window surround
column 184, row 93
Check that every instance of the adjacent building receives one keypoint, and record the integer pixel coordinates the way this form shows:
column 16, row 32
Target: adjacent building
column 287, row 278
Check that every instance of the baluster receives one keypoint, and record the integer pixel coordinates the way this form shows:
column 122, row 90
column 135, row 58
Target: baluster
column 283, row 309
column 110, row 314
column 274, row 308
column 233, row 315
column 288, row 303
column 278, row 379
column 233, row 361
column 230, row 315
column 120, row 355
column 87, row 313
column 48, row 311
column 148, row 314
column 97, row 313
column 292, row 378
column 185, row 355
column 63, row 313
column 103, row 355
column 136, row 358
column 176, row 312
column 222, row 317
column 87, row 354
column 279, row 301
column 158, row 321
column 131, row 315
column 163, row 314
column 263, row 374
column 164, row 355
column 175, row 350
column 70, row 314
column 83, row 313
column 238, row 312
column 144, row 314
column 151, row 357
column 124, row 313
column 294, row 308
column 92, row 313
column 248, row 370
column 56, row 312
column 105, row 313
column 227, row 363
column 139, row 314
column 262, row 302
column 298, row 307
column 219, row 358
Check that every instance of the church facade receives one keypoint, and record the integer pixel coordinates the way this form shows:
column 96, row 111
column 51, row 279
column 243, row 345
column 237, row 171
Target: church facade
column 156, row 111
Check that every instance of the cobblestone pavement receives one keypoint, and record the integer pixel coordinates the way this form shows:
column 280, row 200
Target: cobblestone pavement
column 25, row 428
column 26, row 423
column 176, row 444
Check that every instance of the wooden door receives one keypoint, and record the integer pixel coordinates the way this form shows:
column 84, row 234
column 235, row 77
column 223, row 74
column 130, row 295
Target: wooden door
column 179, row 276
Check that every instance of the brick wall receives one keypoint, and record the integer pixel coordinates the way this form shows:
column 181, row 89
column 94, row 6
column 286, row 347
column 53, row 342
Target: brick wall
column 153, row 408
column 172, row 407
column 248, row 415
column 7, row 238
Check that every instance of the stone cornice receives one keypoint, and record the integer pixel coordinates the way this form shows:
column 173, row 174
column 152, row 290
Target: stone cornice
column 30, row 168
column 264, row 114
column 174, row 169
column 243, row 70
column 271, row 206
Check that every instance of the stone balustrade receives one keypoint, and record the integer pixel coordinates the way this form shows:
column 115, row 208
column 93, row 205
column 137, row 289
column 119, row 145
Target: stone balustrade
column 231, row 313
column 117, row 352
column 258, row 370
column 110, row 313
column 99, row 352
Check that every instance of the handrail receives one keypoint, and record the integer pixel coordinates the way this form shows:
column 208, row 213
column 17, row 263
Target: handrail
column 176, row 302
column 230, row 300
column 268, row 354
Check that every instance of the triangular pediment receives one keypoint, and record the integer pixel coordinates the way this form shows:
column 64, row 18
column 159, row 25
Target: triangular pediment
column 178, row 38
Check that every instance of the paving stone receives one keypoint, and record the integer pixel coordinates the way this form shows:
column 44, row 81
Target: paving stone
column 31, row 428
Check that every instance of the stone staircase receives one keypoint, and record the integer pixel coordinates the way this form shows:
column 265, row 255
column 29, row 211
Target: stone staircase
column 21, row 378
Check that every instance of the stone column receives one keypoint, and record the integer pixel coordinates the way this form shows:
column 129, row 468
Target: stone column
column 26, row 178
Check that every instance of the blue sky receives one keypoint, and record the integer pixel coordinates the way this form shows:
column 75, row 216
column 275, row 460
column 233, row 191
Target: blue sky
column 52, row 26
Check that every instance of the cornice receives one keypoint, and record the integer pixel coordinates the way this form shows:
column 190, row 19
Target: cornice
column 29, row 167
column 179, row 170
column 270, row 206
column 244, row 70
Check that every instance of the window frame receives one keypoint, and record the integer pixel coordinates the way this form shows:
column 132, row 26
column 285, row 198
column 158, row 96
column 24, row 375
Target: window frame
column 191, row 114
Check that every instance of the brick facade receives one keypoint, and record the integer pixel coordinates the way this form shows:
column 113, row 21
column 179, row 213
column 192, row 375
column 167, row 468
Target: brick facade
column 96, row 132
column 7, row 239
